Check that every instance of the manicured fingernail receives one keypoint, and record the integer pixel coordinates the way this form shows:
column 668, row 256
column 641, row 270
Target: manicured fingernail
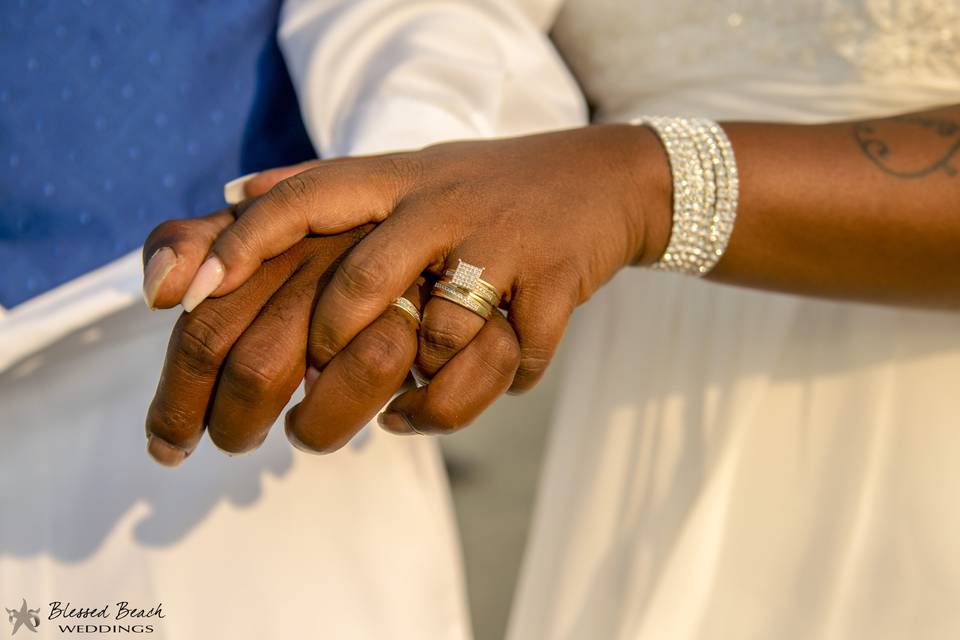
column 164, row 452
column 395, row 422
column 158, row 266
column 208, row 278
column 310, row 377
column 234, row 191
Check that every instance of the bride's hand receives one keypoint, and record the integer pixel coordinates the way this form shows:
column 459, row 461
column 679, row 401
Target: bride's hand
column 549, row 217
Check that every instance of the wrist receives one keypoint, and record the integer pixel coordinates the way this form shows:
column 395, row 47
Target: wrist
column 704, row 199
column 649, row 194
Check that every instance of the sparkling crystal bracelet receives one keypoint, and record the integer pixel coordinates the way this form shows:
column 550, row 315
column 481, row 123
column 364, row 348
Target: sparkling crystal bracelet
column 705, row 191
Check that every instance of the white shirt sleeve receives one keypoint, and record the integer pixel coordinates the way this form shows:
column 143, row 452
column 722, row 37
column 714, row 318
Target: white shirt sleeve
column 380, row 75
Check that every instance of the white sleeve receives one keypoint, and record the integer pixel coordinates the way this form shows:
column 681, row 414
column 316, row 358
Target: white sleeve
column 379, row 75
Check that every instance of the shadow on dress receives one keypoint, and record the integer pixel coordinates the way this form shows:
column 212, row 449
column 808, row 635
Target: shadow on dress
column 725, row 348
column 73, row 460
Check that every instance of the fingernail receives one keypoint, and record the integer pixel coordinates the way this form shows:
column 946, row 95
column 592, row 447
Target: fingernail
column 164, row 452
column 158, row 266
column 310, row 377
column 208, row 278
column 395, row 422
column 234, row 191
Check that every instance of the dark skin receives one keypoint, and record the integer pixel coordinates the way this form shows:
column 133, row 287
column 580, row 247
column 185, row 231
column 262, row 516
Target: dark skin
column 236, row 361
column 856, row 211
column 871, row 210
column 233, row 364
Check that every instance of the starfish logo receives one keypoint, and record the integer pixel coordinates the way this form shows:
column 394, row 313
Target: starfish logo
column 25, row 617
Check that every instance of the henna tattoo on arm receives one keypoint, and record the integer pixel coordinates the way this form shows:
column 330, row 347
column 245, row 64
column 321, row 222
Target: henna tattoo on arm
column 880, row 140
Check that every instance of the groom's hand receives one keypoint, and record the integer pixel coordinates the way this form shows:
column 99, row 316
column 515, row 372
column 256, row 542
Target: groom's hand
column 233, row 363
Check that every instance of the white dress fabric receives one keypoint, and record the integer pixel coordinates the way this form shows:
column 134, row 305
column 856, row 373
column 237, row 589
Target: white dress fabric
column 729, row 463
column 276, row 544
column 360, row 544
column 725, row 464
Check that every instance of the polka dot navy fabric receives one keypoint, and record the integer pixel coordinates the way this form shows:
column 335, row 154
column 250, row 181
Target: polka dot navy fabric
column 115, row 116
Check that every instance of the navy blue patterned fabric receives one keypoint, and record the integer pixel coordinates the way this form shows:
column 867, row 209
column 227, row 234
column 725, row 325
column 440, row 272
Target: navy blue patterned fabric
column 117, row 115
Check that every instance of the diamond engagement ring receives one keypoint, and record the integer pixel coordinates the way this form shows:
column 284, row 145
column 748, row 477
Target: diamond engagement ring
column 465, row 287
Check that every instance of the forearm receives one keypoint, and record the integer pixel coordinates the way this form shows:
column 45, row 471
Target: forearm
column 861, row 211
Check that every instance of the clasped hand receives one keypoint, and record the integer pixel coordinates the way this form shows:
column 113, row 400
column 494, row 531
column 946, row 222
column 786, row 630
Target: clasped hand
column 298, row 281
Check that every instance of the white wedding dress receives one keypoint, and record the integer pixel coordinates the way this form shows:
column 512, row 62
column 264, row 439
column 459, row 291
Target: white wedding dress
column 733, row 464
column 726, row 464
column 358, row 545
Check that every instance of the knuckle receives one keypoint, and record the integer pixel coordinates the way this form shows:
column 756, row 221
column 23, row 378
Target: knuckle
column 406, row 169
column 292, row 190
column 533, row 363
column 240, row 238
column 360, row 274
column 534, row 360
column 372, row 359
column 321, row 347
column 502, row 355
column 201, row 343
column 252, row 380
column 442, row 337
column 381, row 351
column 458, row 193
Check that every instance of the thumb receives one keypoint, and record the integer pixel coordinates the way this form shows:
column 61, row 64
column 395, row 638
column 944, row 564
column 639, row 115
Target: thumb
column 174, row 250
column 330, row 197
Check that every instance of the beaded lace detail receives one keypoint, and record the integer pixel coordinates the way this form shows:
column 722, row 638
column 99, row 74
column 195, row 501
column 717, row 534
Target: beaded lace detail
column 881, row 37
column 680, row 43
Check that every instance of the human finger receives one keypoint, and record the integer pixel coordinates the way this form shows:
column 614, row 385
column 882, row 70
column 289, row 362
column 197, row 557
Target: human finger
column 356, row 383
column 463, row 388
column 174, row 251
column 539, row 317
column 329, row 198
column 198, row 347
column 461, row 302
column 256, row 184
column 265, row 366
column 375, row 272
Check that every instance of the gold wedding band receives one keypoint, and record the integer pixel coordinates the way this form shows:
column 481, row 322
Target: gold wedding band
column 407, row 307
column 463, row 286
column 448, row 292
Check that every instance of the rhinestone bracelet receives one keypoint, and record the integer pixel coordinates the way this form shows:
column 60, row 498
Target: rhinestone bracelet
column 705, row 192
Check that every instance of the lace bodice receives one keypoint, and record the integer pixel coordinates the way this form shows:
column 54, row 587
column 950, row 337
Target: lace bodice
column 626, row 53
